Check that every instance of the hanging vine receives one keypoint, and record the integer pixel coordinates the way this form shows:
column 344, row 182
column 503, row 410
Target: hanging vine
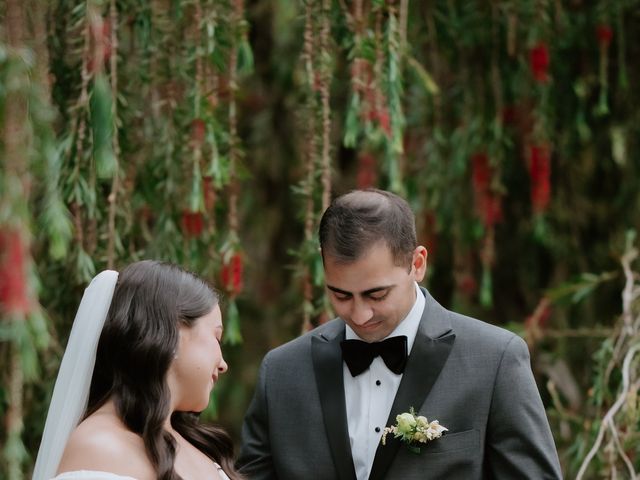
column 139, row 129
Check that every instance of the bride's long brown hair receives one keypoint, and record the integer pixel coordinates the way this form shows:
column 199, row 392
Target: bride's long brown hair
column 137, row 345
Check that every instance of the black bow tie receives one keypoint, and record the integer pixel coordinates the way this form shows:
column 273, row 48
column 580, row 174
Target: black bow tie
column 358, row 355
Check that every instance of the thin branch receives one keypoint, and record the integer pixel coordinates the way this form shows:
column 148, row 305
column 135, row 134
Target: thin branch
column 115, row 184
column 403, row 19
column 620, row 450
column 238, row 8
column 326, row 109
column 310, row 160
column 607, row 420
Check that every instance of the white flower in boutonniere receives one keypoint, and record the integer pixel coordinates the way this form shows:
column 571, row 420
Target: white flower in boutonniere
column 413, row 430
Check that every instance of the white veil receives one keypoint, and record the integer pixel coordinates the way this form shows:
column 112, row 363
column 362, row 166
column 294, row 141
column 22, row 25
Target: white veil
column 71, row 391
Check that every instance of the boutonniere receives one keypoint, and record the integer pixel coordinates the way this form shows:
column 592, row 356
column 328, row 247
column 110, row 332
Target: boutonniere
column 413, row 430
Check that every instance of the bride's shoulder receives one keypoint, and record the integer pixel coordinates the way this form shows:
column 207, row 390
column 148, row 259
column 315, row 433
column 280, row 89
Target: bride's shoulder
column 99, row 444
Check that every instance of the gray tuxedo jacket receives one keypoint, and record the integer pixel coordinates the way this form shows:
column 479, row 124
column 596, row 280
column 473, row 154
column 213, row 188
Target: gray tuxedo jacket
column 473, row 377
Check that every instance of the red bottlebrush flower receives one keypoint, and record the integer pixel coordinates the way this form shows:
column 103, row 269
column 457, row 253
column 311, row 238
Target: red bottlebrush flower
column 540, row 316
column 367, row 175
column 100, row 30
column 14, row 298
column 361, row 75
column 209, row 193
column 604, row 34
column 192, row 223
column 106, row 37
column 491, row 209
column 488, row 204
column 467, row 284
column 509, row 115
column 318, row 84
column 231, row 274
column 539, row 62
column 540, row 175
column 481, row 172
column 198, row 130
column 384, row 120
column 381, row 117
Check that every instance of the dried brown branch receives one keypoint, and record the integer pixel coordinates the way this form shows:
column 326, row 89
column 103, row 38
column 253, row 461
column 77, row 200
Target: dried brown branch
column 115, row 184
column 237, row 15
column 325, row 32
column 15, row 415
column 403, row 18
column 608, row 421
column 627, row 341
column 310, row 160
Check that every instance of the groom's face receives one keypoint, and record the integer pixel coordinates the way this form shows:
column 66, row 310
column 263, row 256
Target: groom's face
column 372, row 294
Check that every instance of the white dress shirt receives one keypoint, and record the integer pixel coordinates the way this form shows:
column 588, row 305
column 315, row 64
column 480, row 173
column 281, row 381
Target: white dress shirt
column 369, row 396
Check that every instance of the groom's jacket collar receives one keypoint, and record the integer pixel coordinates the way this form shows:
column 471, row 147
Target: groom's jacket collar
column 435, row 322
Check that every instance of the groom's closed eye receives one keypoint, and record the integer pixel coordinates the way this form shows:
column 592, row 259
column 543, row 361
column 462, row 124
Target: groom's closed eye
column 379, row 296
column 376, row 294
column 341, row 297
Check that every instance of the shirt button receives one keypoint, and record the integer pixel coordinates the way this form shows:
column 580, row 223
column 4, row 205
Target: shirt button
column 378, row 382
column 377, row 429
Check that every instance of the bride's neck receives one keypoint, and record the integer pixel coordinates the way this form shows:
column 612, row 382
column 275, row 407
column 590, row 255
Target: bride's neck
column 109, row 408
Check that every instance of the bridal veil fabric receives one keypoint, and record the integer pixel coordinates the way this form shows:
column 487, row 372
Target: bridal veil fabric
column 71, row 391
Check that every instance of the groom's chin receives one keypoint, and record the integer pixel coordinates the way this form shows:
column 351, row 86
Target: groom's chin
column 373, row 332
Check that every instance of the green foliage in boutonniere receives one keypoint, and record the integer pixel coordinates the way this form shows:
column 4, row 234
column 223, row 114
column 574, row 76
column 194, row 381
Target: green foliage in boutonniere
column 413, row 430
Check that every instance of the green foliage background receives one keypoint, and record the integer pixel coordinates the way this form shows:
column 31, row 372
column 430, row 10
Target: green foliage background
column 212, row 133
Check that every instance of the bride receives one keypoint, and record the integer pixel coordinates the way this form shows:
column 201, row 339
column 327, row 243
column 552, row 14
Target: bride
column 134, row 415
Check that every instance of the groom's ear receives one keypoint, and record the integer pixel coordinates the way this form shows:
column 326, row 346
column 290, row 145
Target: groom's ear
column 419, row 263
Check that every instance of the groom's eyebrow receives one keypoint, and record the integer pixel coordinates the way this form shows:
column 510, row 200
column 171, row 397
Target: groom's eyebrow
column 366, row 292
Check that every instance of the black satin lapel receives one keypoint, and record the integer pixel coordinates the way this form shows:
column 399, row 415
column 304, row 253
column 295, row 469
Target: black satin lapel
column 327, row 364
column 427, row 358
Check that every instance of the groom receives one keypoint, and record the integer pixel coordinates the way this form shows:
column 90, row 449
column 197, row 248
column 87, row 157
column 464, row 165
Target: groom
column 322, row 401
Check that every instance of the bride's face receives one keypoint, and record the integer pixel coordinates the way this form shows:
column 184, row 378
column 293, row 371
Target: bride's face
column 198, row 363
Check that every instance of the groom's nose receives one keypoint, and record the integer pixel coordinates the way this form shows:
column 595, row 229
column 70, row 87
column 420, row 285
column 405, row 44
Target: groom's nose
column 361, row 312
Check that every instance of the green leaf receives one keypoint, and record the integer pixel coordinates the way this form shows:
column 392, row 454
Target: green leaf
column 15, row 450
column 56, row 221
column 85, row 269
column 38, row 328
column 318, row 270
column 196, row 197
column 102, row 127
column 232, row 334
column 426, row 81
column 486, row 289
column 577, row 290
column 352, row 124
column 245, row 58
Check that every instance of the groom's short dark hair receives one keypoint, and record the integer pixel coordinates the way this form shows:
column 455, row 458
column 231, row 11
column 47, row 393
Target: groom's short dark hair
column 356, row 221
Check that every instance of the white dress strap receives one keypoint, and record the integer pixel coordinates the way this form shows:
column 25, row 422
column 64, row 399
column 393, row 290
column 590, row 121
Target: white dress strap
column 221, row 472
column 90, row 475
column 95, row 475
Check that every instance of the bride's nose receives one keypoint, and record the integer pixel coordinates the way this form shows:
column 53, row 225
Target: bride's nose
column 223, row 367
